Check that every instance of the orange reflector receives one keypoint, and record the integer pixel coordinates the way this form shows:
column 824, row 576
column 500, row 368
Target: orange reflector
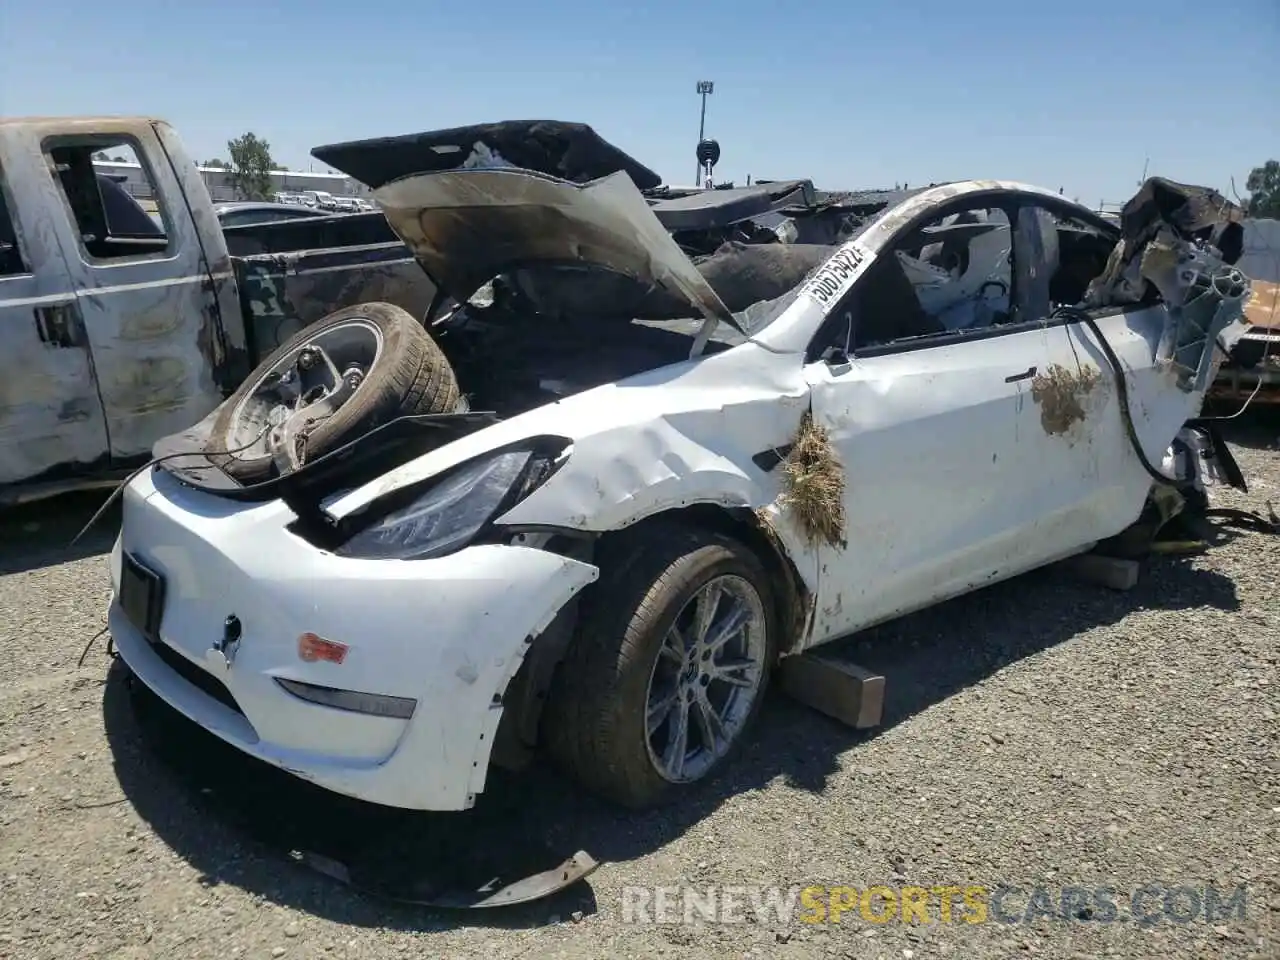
column 312, row 648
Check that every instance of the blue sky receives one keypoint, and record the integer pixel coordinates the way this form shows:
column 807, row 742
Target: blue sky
column 861, row 93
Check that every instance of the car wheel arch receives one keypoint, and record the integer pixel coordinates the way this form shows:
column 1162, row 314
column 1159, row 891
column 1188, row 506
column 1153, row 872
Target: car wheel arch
column 519, row 732
column 794, row 598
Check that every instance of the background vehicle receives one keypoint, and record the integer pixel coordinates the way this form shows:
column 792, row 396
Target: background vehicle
column 322, row 199
column 1252, row 371
column 118, row 327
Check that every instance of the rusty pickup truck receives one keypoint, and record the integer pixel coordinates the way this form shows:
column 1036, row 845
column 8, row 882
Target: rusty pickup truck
column 119, row 326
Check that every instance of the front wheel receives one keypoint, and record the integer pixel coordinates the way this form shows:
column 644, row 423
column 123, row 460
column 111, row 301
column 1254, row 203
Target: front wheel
column 669, row 667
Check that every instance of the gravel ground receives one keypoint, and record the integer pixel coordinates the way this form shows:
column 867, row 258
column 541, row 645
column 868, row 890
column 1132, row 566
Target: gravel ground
column 1040, row 733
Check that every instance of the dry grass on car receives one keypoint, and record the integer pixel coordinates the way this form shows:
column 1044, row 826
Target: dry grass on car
column 813, row 485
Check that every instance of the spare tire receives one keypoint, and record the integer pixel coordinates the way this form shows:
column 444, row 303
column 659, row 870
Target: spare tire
column 396, row 366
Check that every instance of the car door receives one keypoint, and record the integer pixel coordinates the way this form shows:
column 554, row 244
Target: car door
column 146, row 294
column 51, row 421
column 1098, row 485
column 939, row 450
column 925, row 380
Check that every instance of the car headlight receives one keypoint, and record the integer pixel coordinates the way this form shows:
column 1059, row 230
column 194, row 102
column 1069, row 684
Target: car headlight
column 450, row 513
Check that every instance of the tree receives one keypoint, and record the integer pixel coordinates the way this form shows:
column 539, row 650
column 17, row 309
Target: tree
column 250, row 166
column 215, row 162
column 1264, row 190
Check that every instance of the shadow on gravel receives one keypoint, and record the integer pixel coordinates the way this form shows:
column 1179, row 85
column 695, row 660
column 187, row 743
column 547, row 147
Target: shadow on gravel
column 1257, row 429
column 930, row 655
column 237, row 820
column 234, row 818
column 39, row 534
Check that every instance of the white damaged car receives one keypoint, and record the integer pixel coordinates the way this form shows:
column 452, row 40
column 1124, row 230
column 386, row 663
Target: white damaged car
column 587, row 506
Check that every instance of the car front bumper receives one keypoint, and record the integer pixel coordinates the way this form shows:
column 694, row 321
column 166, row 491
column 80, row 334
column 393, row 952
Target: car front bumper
column 448, row 633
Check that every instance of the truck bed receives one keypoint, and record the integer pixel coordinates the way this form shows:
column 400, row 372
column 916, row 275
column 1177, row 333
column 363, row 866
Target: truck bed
column 294, row 273
column 309, row 233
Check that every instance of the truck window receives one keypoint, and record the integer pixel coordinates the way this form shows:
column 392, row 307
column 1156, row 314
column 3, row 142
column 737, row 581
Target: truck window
column 111, row 195
column 11, row 261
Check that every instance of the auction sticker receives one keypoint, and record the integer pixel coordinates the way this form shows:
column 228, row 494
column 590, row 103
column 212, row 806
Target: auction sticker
column 837, row 275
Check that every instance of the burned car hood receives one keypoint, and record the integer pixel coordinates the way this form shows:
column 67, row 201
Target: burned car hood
column 572, row 151
column 468, row 226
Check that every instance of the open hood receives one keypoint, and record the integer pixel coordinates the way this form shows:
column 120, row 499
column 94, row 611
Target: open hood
column 467, row 226
column 572, row 151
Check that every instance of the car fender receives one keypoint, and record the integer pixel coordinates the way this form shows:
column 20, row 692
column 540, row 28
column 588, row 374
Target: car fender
column 617, row 478
column 538, row 612
column 708, row 431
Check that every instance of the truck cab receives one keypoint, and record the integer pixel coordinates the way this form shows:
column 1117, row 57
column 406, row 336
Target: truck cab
column 113, row 322
column 128, row 313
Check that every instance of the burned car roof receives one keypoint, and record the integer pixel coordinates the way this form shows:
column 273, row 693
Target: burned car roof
column 1195, row 212
column 720, row 208
column 570, row 151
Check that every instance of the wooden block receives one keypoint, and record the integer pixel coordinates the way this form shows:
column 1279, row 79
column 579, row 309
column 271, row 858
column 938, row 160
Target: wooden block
column 842, row 690
column 1110, row 572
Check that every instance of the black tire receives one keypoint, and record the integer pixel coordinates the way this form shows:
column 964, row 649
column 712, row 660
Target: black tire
column 411, row 375
column 594, row 728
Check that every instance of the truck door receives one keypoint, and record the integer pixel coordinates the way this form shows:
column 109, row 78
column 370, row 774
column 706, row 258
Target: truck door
column 145, row 292
column 51, row 420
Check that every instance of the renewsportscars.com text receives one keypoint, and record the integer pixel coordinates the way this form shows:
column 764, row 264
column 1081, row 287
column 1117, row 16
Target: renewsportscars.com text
column 1146, row 905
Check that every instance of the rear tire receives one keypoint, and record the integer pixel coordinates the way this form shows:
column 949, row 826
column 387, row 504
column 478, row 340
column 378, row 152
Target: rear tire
column 619, row 671
column 409, row 375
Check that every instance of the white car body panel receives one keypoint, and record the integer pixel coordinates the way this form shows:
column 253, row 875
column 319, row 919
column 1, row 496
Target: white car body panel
column 928, row 440
column 426, row 630
column 690, row 441
column 959, row 471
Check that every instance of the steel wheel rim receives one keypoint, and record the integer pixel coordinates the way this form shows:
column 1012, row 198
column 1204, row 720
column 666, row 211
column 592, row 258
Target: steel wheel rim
column 705, row 679
column 346, row 336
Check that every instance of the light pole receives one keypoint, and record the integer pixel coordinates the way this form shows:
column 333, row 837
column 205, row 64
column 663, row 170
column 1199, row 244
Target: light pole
column 705, row 89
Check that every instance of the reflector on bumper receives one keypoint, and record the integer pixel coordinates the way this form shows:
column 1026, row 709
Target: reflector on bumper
column 378, row 705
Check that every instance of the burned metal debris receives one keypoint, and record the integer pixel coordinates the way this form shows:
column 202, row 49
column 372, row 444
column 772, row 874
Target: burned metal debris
column 1168, row 216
